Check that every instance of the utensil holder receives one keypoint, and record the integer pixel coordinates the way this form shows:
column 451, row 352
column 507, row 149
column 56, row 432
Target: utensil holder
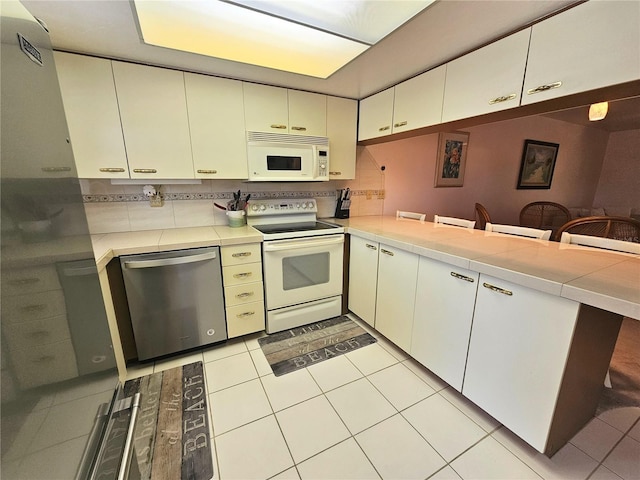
column 236, row 218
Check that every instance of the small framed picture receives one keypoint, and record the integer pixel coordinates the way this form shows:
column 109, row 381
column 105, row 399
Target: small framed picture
column 452, row 159
column 538, row 162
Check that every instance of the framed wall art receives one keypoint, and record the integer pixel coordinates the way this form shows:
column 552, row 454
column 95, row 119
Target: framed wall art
column 452, row 159
column 538, row 162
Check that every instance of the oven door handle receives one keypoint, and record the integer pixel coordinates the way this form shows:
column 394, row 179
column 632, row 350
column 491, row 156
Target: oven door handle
column 278, row 246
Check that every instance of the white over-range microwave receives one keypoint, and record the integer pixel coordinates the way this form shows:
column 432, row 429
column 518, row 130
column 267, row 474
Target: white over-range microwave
column 287, row 158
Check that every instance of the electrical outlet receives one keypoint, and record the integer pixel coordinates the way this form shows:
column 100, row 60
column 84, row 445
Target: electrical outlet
column 155, row 200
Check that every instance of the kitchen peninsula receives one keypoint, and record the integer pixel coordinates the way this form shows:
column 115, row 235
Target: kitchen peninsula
column 526, row 327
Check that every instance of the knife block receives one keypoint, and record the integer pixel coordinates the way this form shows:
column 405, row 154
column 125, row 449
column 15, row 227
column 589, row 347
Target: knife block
column 342, row 208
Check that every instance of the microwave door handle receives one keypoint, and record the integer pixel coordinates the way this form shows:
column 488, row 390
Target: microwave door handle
column 296, row 244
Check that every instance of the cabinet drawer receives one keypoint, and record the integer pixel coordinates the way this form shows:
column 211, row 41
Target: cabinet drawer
column 23, row 308
column 30, row 280
column 45, row 364
column 37, row 332
column 239, row 274
column 240, row 254
column 244, row 319
column 242, row 294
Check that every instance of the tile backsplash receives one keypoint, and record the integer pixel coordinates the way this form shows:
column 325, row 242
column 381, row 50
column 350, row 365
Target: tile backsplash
column 124, row 208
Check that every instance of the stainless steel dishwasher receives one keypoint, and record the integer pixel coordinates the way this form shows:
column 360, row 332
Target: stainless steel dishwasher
column 175, row 300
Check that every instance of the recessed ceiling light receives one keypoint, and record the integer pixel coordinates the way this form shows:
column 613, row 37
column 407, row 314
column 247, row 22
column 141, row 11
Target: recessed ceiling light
column 258, row 33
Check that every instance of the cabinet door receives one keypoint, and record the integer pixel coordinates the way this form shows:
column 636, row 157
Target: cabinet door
column 487, row 80
column 376, row 115
column 445, row 297
column 153, row 110
column 307, row 113
column 418, row 101
column 91, row 107
column 397, row 276
column 265, row 108
column 342, row 121
column 519, row 346
column 592, row 45
column 216, row 122
column 363, row 278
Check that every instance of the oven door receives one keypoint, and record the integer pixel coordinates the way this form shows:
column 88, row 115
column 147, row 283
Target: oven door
column 302, row 269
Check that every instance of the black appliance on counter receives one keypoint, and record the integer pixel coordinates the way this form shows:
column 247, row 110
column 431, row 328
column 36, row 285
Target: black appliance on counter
column 343, row 203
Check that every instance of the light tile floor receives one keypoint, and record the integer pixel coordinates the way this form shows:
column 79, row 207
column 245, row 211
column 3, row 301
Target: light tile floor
column 375, row 413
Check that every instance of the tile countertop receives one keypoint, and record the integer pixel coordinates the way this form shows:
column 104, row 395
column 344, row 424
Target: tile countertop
column 110, row 245
column 603, row 279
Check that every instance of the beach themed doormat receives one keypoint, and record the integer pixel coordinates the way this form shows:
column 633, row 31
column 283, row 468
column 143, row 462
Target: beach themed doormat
column 304, row 346
column 172, row 437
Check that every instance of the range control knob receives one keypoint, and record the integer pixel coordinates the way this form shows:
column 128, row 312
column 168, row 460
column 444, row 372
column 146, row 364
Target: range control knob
column 263, row 208
column 254, row 208
column 304, row 205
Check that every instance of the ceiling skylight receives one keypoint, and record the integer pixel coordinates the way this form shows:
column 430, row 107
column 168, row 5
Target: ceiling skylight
column 309, row 37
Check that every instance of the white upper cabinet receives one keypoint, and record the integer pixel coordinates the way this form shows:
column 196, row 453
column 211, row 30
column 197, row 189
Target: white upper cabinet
column 153, row 111
column 592, row 45
column 278, row 110
column 376, row 115
column 418, row 101
column 487, row 80
column 91, row 107
column 342, row 121
column 216, row 122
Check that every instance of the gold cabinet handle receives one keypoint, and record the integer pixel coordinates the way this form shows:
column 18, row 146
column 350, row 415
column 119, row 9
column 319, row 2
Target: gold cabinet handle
column 382, row 129
column 213, row 172
column 112, row 170
column 44, row 358
column 371, row 247
column 462, row 277
column 241, row 254
column 245, row 314
column 39, row 334
column 300, row 129
column 504, row 98
column 335, row 173
column 279, row 126
column 245, row 295
column 55, row 169
column 145, row 170
column 387, row 252
column 544, row 88
column 497, row 289
column 34, row 308
column 242, row 275
column 400, row 124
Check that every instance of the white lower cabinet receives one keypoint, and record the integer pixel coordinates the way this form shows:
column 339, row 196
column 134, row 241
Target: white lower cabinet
column 445, row 298
column 243, row 289
column 520, row 343
column 382, row 286
column 363, row 278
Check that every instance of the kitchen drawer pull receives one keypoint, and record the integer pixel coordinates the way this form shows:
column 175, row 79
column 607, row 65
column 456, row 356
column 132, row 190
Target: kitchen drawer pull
column 462, row 277
column 371, row 247
column 44, row 358
column 281, row 127
column 300, row 129
column 400, row 124
column 112, row 170
column 243, row 275
column 24, row 281
column 497, row 289
column 387, row 252
column 212, row 172
column 544, row 88
column 382, row 129
column 39, row 334
column 55, row 169
column 145, row 170
column 245, row 294
column 241, row 254
column 335, row 173
column 245, row 314
column 502, row 99
column 34, row 308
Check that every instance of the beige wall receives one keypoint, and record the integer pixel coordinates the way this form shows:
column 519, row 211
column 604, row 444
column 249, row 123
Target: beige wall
column 493, row 164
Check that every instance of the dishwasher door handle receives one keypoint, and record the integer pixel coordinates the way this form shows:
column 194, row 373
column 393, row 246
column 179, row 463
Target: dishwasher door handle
column 164, row 262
